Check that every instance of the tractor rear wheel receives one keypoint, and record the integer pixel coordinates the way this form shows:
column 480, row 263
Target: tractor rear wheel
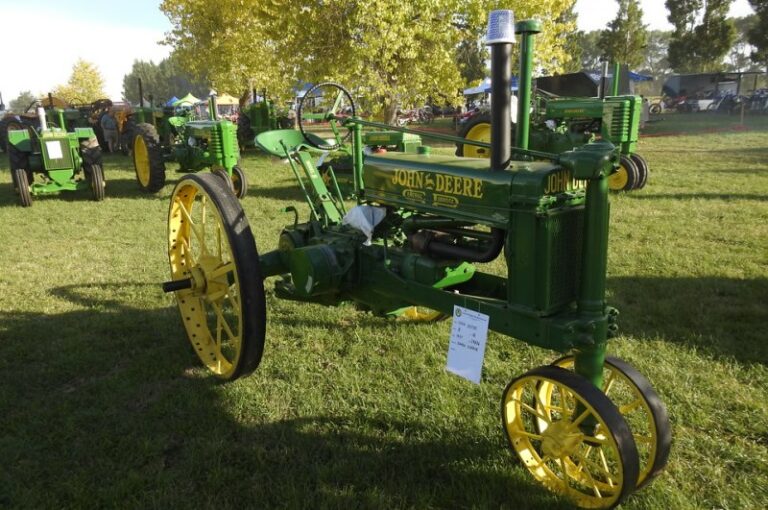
column 216, row 276
column 642, row 168
column 626, row 177
column 148, row 158
column 22, row 184
column 478, row 129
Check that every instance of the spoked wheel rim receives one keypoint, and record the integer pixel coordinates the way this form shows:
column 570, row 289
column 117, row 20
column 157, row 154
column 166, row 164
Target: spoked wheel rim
column 585, row 449
column 141, row 161
column 332, row 105
column 478, row 133
column 239, row 182
column 642, row 409
column 210, row 244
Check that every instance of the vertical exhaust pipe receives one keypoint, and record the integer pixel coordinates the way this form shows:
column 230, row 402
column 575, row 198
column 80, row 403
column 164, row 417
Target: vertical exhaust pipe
column 500, row 37
column 41, row 116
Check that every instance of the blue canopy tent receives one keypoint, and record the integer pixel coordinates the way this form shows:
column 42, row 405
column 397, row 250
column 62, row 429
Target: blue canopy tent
column 485, row 87
column 171, row 101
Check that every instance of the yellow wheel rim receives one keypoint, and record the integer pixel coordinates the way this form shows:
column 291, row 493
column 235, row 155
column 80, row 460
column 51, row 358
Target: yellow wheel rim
column 547, row 435
column 633, row 407
column 199, row 249
column 479, row 133
column 421, row 314
column 617, row 181
column 141, row 160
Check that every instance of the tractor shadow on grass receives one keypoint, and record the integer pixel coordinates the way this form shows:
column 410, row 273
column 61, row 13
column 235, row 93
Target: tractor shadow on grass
column 109, row 404
column 723, row 316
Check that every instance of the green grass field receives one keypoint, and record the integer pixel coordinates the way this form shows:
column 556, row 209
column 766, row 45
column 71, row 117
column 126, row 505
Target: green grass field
column 103, row 403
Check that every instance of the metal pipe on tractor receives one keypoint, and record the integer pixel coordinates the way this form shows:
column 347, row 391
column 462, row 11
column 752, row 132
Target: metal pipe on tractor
column 419, row 223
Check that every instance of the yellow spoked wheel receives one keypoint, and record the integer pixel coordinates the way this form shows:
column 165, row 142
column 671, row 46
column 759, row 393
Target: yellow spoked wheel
column 640, row 406
column 141, row 161
column 575, row 442
column 216, row 276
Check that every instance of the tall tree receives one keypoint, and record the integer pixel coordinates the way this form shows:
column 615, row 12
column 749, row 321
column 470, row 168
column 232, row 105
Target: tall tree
column 162, row 81
column 572, row 44
column 699, row 46
column 397, row 53
column 738, row 58
column 655, row 61
column 758, row 34
column 470, row 57
column 85, row 84
column 591, row 54
column 22, row 102
column 626, row 37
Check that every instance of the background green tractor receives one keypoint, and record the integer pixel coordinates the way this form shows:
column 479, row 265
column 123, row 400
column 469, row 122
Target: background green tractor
column 57, row 157
column 258, row 117
column 559, row 124
column 193, row 144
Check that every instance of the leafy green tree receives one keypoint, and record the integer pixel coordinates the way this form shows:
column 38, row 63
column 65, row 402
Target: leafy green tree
column 699, row 46
column 572, row 43
column 20, row 104
column 470, row 57
column 591, row 54
column 655, row 62
column 739, row 55
column 758, row 34
column 85, row 84
column 162, row 81
column 626, row 37
column 396, row 53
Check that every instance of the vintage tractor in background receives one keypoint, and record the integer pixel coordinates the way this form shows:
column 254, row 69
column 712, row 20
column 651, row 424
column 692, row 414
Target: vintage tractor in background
column 194, row 145
column 563, row 123
column 589, row 426
column 257, row 117
column 49, row 159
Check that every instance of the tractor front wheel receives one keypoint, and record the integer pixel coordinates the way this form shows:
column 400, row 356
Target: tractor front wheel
column 626, row 177
column 576, row 443
column 22, row 185
column 642, row 170
column 239, row 182
column 216, row 276
column 96, row 177
column 148, row 158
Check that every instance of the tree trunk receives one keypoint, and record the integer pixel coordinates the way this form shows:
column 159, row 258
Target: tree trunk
column 390, row 110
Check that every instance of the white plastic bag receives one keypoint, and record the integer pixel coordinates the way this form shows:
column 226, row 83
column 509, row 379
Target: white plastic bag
column 364, row 218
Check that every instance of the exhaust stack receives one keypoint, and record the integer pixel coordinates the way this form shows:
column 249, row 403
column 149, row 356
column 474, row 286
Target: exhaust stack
column 500, row 37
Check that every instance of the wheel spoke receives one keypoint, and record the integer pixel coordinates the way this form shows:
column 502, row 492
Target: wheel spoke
column 590, row 463
column 605, row 465
column 608, row 383
column 525, row 433
column 534, row 412
column 195, row 229
column 224, row 324
column 628, row 408
column 222, row 270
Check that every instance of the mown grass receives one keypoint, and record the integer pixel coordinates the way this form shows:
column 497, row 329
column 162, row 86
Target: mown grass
column 103, row 403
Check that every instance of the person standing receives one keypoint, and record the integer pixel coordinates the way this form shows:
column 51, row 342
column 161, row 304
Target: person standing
column 109, row 127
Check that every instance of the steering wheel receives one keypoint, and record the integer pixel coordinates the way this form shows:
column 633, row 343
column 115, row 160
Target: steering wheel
column 325, row 102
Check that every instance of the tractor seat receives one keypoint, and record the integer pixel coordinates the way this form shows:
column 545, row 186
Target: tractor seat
column 276, row 142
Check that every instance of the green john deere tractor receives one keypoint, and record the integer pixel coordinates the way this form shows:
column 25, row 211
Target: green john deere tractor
column 563, row 123
column 193, row 144
column 588, row 426
column 48, row 159
column 257, row 117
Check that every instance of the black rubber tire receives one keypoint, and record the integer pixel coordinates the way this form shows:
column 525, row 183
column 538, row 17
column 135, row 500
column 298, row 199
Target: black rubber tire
column 602, row 405
column 151, row 140
column 126, row 136
column 20, row 176
column 224, row 176
column 245, row 259
column 4, row 134
column 245, row 134
column 239, row 182
column 626, row 177
column 341, row 140
column 642, row 170
column 656, row 406
column 654, row 109
column 95, row 175
column 18, row 159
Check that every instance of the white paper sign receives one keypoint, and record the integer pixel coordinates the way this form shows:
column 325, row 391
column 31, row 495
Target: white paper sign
column 466, row 349
column 54, row 150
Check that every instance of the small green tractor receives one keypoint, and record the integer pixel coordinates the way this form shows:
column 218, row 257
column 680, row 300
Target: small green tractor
column 589, row 426
column 257, row 117
column 61, row 160
column 193, row 144
column 563, row 123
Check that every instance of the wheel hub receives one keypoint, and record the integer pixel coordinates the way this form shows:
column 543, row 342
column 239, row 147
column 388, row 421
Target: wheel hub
column 560, row 440
column 207, row 284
